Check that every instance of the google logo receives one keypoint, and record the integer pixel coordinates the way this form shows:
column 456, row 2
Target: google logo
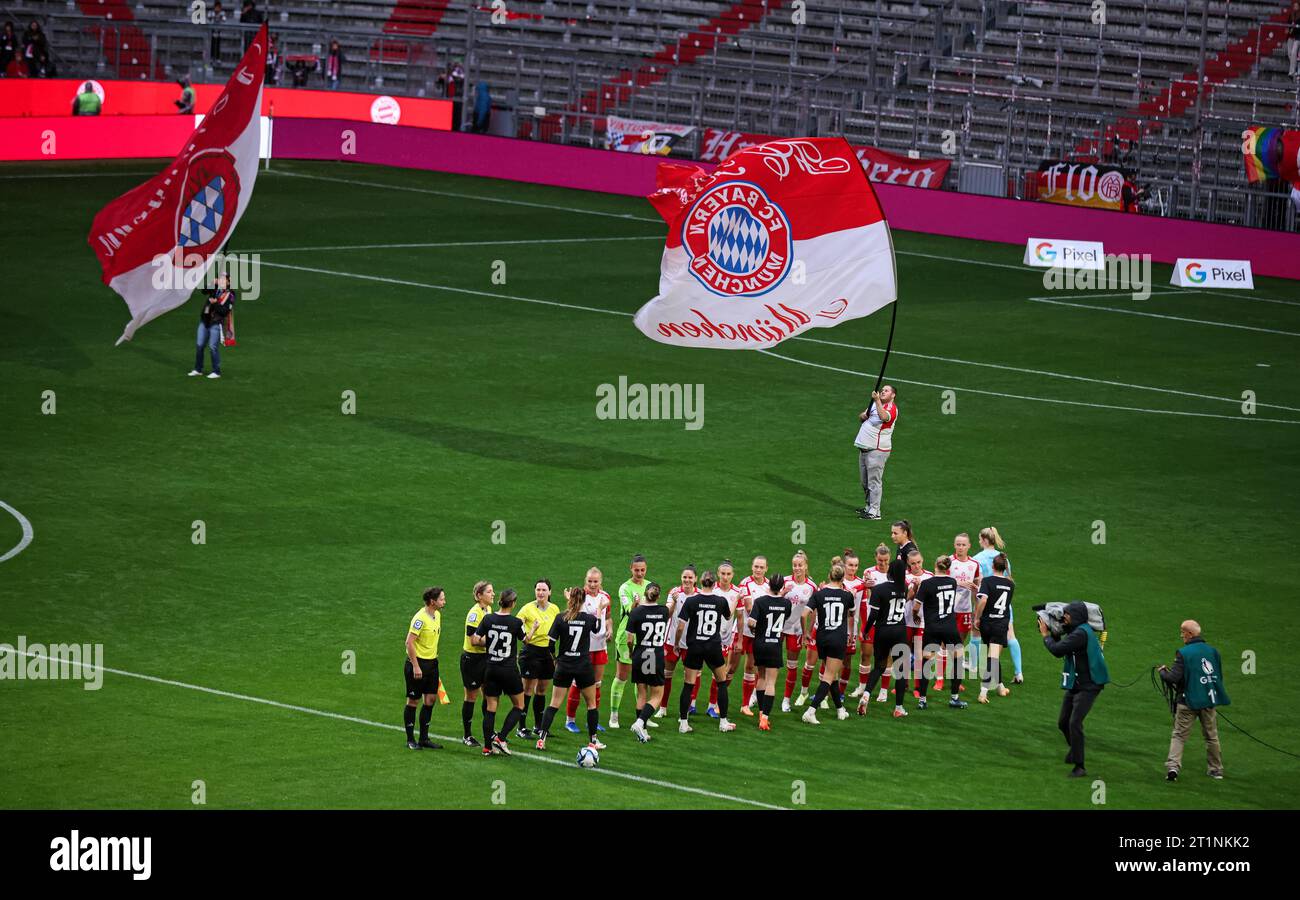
column 1048, row 254
column 1194, row 272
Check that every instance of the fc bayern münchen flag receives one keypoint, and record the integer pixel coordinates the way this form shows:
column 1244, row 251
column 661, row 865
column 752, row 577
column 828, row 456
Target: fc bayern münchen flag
column 155, row 242
column 780, row 238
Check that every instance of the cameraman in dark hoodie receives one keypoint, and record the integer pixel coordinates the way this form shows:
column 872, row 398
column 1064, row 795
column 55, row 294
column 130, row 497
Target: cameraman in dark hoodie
column 1084, row 676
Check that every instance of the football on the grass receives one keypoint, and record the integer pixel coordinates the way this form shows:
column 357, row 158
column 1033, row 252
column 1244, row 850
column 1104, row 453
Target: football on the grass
column 588, row 758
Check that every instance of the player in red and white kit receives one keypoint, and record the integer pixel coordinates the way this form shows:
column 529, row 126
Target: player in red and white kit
column 870, row 578
column 674, row 650
column 916, row 573
column 798, row 589
column 966, row 572
column 754, row 586
column 730, row 628
column 596, row 602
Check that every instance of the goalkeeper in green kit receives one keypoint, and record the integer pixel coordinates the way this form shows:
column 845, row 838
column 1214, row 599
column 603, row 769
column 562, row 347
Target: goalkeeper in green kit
column 629, row 595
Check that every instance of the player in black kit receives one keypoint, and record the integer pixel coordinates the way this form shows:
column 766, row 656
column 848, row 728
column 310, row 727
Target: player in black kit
column 647, row 629
column 992, row 619
column 702, row 617
column 501, row 633
column 767, row 617
column 936, row 600
column 571, row 633
column 886, row 612
column 833, row 606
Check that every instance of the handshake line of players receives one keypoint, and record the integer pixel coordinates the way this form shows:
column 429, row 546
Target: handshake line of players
column 907, row 619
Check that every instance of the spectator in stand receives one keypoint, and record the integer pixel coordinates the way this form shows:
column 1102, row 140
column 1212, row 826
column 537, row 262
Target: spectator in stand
column 87, row 103
column 33, row 46
column 334, row 66
column 452, row 84
column 1293, row 44
column 249, row 15
column 217, row 18
column 272, row 60
column 8, row 48
column 45, row 66
column 185, row 105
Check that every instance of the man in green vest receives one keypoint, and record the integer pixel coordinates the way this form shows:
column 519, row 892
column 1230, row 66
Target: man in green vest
column 185, row 105
column 1197, row 673
column 86, row 103
column 1084, row 676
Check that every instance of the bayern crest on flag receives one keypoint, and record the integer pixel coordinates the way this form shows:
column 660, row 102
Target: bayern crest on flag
column 779, row 238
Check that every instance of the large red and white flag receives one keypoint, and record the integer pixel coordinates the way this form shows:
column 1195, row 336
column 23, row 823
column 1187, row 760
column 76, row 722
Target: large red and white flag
column 780, row 238
column 155, row 242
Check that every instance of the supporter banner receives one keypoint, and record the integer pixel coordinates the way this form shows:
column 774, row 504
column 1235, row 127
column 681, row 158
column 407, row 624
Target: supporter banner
column 21, row 97
column 880, row 165
column 1046, row 253
column 1082, row 184
column 1213, row 273
column 640, row 136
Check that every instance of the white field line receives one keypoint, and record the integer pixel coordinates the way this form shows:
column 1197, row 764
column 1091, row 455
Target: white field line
column 536, row 757
column 25, row 525
column 1210, row 294
column 617, row 312
column 581, row 240
column 1162, row 412
column 1134, row 312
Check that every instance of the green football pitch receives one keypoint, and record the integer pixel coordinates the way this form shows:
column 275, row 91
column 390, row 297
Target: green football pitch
column 475, row 452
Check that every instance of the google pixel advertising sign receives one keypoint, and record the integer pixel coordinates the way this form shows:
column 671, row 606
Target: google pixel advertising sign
column 1213, row 273
column 1047, row 253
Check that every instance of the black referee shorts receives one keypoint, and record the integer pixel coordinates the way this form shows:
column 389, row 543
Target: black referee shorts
column 537, row 663
column 426, row 684
column 473, row 669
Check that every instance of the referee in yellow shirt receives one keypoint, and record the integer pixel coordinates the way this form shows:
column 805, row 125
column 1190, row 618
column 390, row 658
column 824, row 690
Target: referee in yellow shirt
column 536, row 664
column 422, row 667
column 473, row 658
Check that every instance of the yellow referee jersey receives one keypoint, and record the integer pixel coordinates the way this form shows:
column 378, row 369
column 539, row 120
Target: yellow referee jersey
column 472, row 620
column 427, row 628
column 544, row 618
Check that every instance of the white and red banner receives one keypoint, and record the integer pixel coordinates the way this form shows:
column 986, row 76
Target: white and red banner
column 641, row 136
column 781, row 238
column 155, row 242
column 880, row 165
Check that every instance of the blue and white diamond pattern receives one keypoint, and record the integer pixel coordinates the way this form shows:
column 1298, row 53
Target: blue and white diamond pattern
column 737, row 241
column 202, row 219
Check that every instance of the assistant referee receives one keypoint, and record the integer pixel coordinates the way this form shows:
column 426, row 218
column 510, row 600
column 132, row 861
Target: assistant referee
column 422, row 667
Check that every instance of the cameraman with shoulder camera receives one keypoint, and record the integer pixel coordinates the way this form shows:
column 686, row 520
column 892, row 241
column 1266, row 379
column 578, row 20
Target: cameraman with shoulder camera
column 1083, row 679
column 1197, row 673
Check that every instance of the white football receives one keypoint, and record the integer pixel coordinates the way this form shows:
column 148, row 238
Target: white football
column 588, row 758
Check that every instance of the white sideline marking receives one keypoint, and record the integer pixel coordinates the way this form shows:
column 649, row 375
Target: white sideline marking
column 619, row 312
column 582, row 240
column 25, row 525
column 1162, row 412
column 442, row 737
column 1134, row 312
column 1210, row 294
column 969, row 362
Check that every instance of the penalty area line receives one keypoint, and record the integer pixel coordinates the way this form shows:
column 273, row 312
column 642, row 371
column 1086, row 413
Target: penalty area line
column 25, row 525
column 356, row 720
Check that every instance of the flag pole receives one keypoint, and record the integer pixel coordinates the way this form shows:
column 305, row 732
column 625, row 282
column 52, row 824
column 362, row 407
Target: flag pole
column 893, row 316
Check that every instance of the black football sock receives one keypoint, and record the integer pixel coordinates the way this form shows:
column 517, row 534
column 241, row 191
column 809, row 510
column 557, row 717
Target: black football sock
column 900, row 690
column 647, row 712
column 823, row 689
column 426, row 713
column 489, row 727
column 512, row 719
column 539, row 710
column 724, row 697
column 758, row 696
column 408, row 717
column 548, row 719
column 923, row 685
column 768, row 701
column 684, row 702
column 593, row 722
column 837, row 697
column 467, row 717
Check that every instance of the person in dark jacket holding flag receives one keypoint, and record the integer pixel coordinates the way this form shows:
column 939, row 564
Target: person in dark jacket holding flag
column 217, row 317
column 1197, row 673
column 1083, row 679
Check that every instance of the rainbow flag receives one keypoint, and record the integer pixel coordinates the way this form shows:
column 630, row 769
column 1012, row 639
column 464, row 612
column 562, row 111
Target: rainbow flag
column 1261, row 165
